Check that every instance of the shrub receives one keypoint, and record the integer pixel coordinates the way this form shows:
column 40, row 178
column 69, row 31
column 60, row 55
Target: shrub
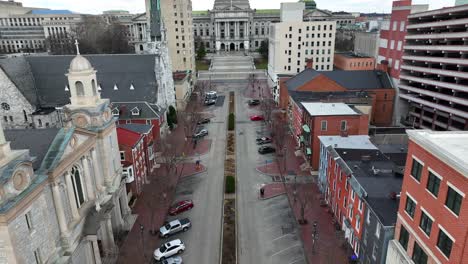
column 230, row 184
column 231, row 121
column 173, row 114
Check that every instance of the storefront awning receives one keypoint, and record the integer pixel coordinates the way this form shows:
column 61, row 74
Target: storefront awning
column 306, row 128
column 308, row 151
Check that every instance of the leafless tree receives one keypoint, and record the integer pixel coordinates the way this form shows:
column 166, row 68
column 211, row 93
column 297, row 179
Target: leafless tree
column 253, row 83
column 301, row 197
column 280, row 137
column 189, row 121
column 267, row 107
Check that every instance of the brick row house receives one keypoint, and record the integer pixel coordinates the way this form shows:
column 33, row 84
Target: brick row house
column 376, row 83
column 432, row 223
column 362, row 188
column 137, row 148
column 322, row 119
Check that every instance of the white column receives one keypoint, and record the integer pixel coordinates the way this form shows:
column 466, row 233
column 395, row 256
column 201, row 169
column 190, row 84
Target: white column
column 89, row 183
column 226, row 30
column 97, row 255
column 71, row 196
column 60, row 212
column 109, row 232
column 97, row 171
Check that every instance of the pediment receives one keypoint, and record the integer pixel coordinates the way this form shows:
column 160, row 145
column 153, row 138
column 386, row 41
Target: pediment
column 317, row 13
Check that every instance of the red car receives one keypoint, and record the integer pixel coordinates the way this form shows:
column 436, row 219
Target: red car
column 257, row 118
column 180, row 207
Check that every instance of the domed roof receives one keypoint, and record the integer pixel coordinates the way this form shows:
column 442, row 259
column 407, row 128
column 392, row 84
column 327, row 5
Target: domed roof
column 79, row 64
column 309, row 4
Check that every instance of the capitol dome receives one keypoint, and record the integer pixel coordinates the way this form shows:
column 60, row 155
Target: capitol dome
column 80, row 64
column 309, row 4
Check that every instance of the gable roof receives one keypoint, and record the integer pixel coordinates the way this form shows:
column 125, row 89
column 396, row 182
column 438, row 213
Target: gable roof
column 43, row 80
column 28, row 139
column 147, row 111
column 351, row 80
column 137, row 128
column 19, row 72
column 127, row 137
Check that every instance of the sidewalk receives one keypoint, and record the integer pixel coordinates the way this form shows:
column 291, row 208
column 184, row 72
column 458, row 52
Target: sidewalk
column 272, row 190
column 328, row 245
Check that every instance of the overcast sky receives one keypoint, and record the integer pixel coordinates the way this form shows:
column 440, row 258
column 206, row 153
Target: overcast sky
column 138, row 6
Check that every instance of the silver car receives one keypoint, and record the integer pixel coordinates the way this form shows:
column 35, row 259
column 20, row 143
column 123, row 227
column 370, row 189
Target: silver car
column 173, row 260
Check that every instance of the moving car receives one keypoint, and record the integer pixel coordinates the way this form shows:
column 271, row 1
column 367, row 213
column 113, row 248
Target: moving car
column 201, row 133
column 173, row 260
column 263, row 140
column 181, row 207
column 174, row 227
column 253, row 102
column 266, row 150
column 203, row 121
column 257, row 118
column 169, row 249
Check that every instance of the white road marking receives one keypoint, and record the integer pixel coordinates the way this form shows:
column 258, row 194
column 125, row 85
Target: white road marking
column 281, row 251
column 289, row 234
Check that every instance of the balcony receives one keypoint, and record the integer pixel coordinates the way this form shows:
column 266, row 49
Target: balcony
column 456, row 87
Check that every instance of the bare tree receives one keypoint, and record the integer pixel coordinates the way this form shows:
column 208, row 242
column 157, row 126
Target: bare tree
column 267, row 106
column 189, row 121
column 280, row 137
column 253, row 83
column 301, row 197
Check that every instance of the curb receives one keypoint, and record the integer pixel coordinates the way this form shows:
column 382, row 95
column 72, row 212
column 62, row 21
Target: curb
column 196, row 173
column 273, row 196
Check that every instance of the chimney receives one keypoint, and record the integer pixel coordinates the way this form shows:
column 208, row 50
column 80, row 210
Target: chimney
column 383, row 66
column 309, row 63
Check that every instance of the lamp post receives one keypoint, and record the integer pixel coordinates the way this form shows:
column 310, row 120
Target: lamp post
column 142, row 229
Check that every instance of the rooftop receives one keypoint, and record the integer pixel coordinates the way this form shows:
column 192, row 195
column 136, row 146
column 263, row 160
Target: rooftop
column 304, row 96
column 451, row 147
column 352, row 55
column 51, row 12
column 328, row 109
column 349, row 142
column 138, row 128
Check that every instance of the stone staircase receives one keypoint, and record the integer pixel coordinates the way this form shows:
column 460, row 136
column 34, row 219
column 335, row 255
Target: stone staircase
column 231, row 67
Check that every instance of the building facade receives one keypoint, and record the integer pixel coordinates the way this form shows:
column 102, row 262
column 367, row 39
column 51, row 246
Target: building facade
column 68, row 203
column 434, row 77
column 367, row 43
column 433, row 213
column 353, row 62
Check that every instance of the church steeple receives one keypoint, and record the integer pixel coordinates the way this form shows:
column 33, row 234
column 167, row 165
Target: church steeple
column 82, row 81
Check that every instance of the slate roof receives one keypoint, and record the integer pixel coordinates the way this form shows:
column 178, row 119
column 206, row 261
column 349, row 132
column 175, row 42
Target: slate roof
column 42, row 78
column 37, row 141
column 351, row 80
column 138, row 128
column 19, row 72
column 147, row 111
column 308, row 96
column 377, row 186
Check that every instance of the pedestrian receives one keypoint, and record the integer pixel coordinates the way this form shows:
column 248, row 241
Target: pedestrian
column 262, row 191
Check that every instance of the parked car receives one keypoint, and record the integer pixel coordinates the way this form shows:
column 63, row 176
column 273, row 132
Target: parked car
column 211, row 95
column 257, row 118
column 253, row 102
column 201, row 133
column 173, row 260
column 174, row 227
column 204, row 121
column 169, row 249
column 266, row 150
column 210, row 101
column 263, row 140
column 180, row 207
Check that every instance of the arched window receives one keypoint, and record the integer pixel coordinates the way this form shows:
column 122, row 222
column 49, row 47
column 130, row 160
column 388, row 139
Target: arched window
column 79, row 88
column 93, row 86
column 77, row 186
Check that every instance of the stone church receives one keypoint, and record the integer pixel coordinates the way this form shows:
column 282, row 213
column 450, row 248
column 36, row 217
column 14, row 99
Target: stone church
column 62, row 195
column 232, row 25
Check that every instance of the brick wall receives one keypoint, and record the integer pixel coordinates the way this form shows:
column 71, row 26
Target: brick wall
column 345, row 63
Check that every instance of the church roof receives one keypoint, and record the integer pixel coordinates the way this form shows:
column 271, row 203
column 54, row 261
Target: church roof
column 42, row 78
column 226, row 4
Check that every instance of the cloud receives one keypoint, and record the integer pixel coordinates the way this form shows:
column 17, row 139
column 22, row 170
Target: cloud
column 138, row 6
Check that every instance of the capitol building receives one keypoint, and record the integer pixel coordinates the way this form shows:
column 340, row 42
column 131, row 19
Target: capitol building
column 233, row 25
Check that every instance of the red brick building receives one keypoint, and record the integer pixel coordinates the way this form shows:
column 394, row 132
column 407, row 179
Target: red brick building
column 329, row 119
column 353, row 62
column 432, row 225
column 376, row 83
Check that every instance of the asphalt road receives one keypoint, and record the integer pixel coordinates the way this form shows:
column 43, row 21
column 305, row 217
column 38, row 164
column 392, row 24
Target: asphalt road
column 204, row 238
column 267, row 231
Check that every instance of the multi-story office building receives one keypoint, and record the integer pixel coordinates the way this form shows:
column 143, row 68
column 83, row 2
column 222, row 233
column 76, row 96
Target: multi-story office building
column 367, row 43
column 432, row 223
column 294, row 42
column 434, row 79
column 177, row 17
column 234, row 25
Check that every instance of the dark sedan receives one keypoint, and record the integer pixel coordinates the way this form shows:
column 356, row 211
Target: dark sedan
column 254, row 102
column 266, row 150
column 203, row 121
column 263, row 140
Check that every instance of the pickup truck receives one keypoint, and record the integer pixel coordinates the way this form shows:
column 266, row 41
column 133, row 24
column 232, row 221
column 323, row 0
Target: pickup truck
column 174, row 226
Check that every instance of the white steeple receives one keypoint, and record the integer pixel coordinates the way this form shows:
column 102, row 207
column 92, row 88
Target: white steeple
column 82, row 81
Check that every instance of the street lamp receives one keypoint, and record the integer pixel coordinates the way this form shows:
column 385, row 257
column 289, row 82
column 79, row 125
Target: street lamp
column 142, row 228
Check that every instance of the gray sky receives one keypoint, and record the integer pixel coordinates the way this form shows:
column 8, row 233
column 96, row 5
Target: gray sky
column 137, row 6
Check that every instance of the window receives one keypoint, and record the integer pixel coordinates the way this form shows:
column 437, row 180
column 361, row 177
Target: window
column 360, row 205
column 410, row 206
column 444, row 243
column 368, row 216
column 419, row 256
column 323, row 125
column 352, row 195
column 377, row 230
column 343, row 125
column 425, row 223
column 433, row 184
column 358, row 223
column 29, row 222
column 416, row 170
column 397, row 64
column 122, row 155
column 395, row 25
column 79, row 88
column 453, row 201
column 404, row 237
column 392, row 44
column 77, row 186
column 402, row 26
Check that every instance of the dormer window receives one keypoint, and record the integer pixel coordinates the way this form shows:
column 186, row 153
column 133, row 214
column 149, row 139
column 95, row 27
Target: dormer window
column 135, row 111
column 115, row 112
column 115, row 87
column 132, row 87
